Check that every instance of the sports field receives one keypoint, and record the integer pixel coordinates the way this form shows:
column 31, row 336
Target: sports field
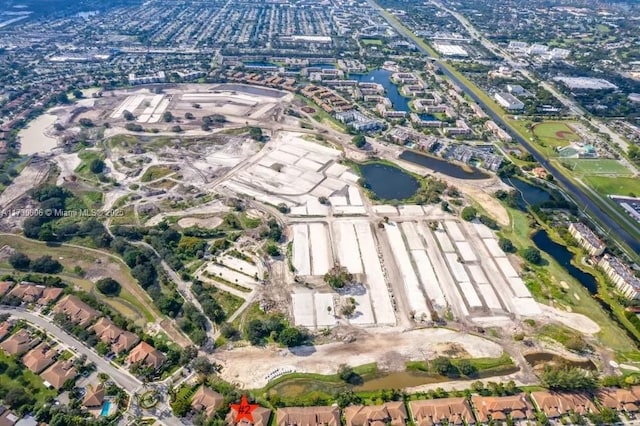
column 590, row 167
column 628, row 186
column 555, row 133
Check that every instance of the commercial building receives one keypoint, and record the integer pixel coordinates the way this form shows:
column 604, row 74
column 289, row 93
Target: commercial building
column 587, row 239
column 508, row 101
column 623, row 278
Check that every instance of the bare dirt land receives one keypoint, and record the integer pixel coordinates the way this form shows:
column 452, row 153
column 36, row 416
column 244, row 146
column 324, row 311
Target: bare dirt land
column 578, row 322
column 248, row 366
column 210, row 222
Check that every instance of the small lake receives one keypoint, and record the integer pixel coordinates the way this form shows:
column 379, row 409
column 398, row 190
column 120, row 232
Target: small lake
column 388, row 182
column 563, row 257
column 33, row 138
column 442, row 166
column 545, row 358
column 383, row 77
column 399, row 380
column 528, row 194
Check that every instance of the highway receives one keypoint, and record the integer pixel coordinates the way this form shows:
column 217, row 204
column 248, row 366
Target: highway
column 578, row 194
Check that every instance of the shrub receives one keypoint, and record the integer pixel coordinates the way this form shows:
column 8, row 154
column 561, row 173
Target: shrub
column 108, row 286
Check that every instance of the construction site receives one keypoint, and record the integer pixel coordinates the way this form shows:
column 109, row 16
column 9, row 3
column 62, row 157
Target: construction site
column 183, row 154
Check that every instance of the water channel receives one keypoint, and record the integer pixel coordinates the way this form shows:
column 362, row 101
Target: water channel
column 443, row 166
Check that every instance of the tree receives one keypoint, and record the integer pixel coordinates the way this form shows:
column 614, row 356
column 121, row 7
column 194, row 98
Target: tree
column 347, row 374
column 46, row 265
column 228, row 331
column 188, row 116
column 292, row 336
column 108, row 286
column 506, row 245
column 255, row 133
column 256, row 332
column 128, row 115
column 359, row 141
column 273, row 250
column 202, row 365
column 96, row 166
column 466, row 368
column 338, row 277
column 532, row 255
column 469, row 213
column 20, row 261
column 442, row 365
column 77, row 94
column 167, row 117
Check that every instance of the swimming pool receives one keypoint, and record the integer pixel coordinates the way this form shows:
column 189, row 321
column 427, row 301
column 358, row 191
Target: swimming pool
column 106, row 408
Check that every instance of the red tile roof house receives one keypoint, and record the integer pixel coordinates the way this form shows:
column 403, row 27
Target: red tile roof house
column 557, row 404
column 207, row 400
column 147, row 355
column 78, row 312
column 4, row 287
column 517, row 407
column 623, row 400
column 451, row 411
column 119, row 339
column 393, row 413
column 5, row 329
column 19, row 343
column 30, row 293
column 58, row 374
column 39, row 358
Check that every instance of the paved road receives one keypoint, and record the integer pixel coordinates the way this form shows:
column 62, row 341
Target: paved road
column 121, row 377
column 577, row 193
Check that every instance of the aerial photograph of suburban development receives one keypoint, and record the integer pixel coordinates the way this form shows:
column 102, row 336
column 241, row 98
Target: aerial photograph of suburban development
column 333, row 212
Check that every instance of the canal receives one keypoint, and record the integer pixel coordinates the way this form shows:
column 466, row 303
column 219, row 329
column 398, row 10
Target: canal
column 443, row 166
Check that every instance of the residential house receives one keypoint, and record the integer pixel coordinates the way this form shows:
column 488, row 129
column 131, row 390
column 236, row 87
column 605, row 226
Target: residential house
column 4, row 287
column 393, row 413
column 58, row 374
column 78, row 312
column 35, row 293
column 260, row 415
column 517, row 407
column 452, row 411
column 7, row 417
column 94, row 397
column 624, row 400
column 308, row 416
column 39, row 358
column 18, row 343
column 621, row 275
column 146, row 354
column 555, row 404
column 119, row 339
column 206, row 400
column 5, row 329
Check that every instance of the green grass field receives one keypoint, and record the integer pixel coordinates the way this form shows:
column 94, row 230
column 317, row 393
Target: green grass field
column 371, row 42
column 627, row 186
column 588, row 167
column 155, row 172
column 555, row 133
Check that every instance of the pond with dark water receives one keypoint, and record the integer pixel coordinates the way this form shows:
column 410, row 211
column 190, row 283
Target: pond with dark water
column 547, row 358
column 443, row 166
column 388, row 182
column 563, row 256
column 528, row 194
